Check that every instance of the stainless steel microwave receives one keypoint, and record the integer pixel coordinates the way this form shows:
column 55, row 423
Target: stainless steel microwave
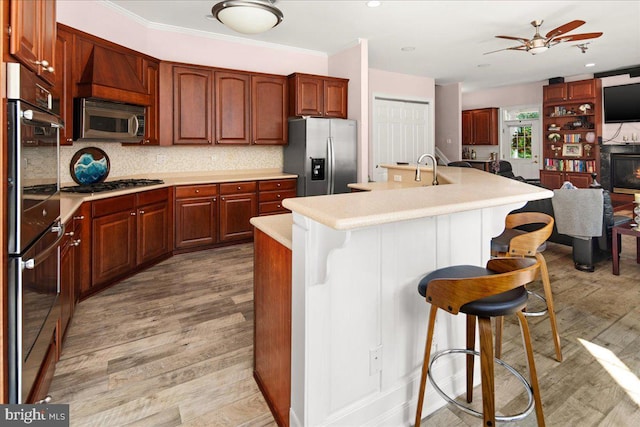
column 97, row 119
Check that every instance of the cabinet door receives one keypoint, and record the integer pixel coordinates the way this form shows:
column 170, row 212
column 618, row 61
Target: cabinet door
column 48, row 41
column 151, row 82
column 63, row 89
column 25, row 32
column 554, row 93
column 467, row 127
column 67, row 282
column 581, row 89
column 235, row 213
column 551, row 179
column 233, row 97
column 192, row 105
column 113, row 246
column 308, row 96
column 485, row 125
column 269, row 110
column 580, row 180
column 196, row 222
column 153, row 232
column 335, row 98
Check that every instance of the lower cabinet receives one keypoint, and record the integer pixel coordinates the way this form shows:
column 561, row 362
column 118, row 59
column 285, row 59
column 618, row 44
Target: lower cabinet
column 41, row 386
column 196, row 219
column 128, row 232
column 271, row 194
column 238, row 204
column 555, row 179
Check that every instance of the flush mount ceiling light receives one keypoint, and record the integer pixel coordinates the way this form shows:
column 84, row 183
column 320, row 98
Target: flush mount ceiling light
column 248, row 16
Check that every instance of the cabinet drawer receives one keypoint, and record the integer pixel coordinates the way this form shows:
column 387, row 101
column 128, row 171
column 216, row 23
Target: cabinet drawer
column 238, row 187
column 112, row 205
column 267, row 208
column 280, row 184
column 188, row 191
column 271, row 196
column 152, row 196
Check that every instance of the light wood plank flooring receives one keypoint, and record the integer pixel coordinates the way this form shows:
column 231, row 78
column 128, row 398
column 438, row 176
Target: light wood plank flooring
column 172, row 346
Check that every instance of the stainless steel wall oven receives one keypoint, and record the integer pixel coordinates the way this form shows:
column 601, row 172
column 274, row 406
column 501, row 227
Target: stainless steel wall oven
column 34, row 229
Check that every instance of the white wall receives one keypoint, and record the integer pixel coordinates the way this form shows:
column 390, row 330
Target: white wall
column 449, row 121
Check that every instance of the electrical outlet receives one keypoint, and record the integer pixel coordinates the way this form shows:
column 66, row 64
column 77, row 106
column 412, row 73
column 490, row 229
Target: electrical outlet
column 397, row 178
column 375, row 360
column 624, row 138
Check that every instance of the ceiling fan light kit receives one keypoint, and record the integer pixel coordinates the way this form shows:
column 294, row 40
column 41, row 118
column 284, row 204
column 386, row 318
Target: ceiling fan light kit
column 538, row 44
column 248, row 16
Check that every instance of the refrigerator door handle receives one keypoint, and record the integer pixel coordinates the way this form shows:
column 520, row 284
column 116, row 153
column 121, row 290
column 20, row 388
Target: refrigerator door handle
column 332, row 164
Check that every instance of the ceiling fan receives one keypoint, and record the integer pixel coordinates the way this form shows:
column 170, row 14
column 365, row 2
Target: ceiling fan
column 538, row 44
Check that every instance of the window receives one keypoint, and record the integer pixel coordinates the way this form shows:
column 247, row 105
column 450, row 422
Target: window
column 520, row 140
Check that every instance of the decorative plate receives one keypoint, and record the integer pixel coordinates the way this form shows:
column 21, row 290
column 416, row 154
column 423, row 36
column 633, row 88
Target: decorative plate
column 89, row 165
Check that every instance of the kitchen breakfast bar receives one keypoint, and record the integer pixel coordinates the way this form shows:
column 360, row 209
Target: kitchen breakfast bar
column 355, row 321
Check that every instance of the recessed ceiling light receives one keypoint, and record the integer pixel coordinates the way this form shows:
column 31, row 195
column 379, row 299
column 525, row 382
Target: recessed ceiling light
column 373, row 3
column 408, row 48
column 590, row 64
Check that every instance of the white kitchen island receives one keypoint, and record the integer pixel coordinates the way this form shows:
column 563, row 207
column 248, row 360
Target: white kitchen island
column 358, row 324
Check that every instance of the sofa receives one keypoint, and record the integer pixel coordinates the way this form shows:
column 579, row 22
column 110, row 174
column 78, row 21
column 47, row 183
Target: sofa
column 586, row 252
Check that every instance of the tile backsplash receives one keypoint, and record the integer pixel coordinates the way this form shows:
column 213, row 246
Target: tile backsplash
column 137, row 160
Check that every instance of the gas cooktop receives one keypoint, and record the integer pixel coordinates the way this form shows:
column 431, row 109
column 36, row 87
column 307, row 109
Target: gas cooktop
column 98, row 187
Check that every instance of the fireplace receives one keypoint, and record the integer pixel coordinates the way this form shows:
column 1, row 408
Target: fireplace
column 625, row 173
column 619, row 166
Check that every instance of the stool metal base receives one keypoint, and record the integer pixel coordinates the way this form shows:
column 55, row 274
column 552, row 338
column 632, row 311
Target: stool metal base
column 469, row 410
column 536, row 313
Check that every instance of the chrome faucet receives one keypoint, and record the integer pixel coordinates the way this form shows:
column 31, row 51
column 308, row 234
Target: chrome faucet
column 435, row 168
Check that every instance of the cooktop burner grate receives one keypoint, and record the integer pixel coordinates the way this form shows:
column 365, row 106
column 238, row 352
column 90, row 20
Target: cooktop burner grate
column 120, row 184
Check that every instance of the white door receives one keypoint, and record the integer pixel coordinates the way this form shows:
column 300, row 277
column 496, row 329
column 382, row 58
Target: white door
column 402, row 131
column 520, row 142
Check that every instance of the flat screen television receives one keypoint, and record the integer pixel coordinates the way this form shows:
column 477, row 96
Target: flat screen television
column 622, row 103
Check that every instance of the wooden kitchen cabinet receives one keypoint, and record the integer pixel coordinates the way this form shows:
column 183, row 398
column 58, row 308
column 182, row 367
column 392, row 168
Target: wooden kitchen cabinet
column 238, row 204
column 63, row 88
column 272, row 319
column 33, row 36
column 317, row 96
column 127, row 233
column 113, row 239
column 196, row 216
column 269, row 110
column 571, row 91
column 271, row 194
column 68, row 257
column 151, row 79
column 480, row 126
column 232, row 107
column 191, row 120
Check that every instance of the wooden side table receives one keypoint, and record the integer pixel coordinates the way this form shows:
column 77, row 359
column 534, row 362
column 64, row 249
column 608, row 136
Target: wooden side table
column 616, row 233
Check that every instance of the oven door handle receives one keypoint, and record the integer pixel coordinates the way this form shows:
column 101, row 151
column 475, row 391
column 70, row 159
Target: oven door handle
column 31, row 263
column 39, row 117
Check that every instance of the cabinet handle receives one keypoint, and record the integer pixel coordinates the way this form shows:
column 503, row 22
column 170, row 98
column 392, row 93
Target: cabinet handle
column 69, row 139
column 278, row 185
column 197, row 191
column 133, row 214
column 141, row 212
column 69, row 233
column 79, row 217
column 278, row 196
column 239, row 188
column 222, row 198
column 214, row 199
column 208, row 141
column 77, row 242
column 279, row 206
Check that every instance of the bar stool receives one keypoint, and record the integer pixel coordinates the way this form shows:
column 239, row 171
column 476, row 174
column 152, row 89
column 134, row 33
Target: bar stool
column 482, row 293
column 528, row 241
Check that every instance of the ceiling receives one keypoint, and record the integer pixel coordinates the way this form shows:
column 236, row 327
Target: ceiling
column 449, row 37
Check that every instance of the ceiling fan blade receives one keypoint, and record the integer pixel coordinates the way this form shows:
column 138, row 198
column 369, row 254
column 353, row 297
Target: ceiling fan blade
column 520, row 39
column 507, row 48
column 576, row 37
column 562, row 29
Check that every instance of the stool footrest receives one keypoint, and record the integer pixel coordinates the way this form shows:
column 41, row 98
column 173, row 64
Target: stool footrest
column 469, row 410
column 536, row 313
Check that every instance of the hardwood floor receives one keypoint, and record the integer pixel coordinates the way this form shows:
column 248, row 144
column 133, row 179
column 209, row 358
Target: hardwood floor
column 172, row 346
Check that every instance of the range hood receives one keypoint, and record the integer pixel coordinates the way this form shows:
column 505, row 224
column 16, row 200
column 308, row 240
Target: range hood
column 112, row 76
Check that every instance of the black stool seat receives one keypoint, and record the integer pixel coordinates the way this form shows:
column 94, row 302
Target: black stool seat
column 501, row 243
column 501, row 304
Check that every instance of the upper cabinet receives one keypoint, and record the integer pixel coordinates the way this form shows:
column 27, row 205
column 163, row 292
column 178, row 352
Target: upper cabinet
column 317, row 96
column 480, row 126
column 571, row 91
column 33, row 36
column 221, row 106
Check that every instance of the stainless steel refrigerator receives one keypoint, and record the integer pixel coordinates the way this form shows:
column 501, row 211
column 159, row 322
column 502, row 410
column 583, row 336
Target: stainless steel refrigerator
column 323, row 153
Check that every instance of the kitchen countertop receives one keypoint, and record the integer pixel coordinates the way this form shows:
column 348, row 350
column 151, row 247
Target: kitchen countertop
column 70, row 202
column 276, row 226
column 460, row 189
